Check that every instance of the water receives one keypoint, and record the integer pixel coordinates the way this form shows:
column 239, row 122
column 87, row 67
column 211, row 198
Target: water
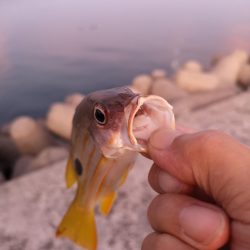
column 49, row 49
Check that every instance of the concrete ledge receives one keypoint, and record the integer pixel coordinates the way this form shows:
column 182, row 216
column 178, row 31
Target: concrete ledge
column 231, row 116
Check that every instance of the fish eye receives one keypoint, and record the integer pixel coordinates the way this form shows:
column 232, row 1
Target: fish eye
column 100, row 115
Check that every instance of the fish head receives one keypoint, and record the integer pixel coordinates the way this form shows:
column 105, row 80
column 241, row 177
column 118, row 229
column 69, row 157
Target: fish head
column 119, row 119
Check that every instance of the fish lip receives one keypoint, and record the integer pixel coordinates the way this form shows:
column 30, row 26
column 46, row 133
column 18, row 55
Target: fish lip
column 135, row 105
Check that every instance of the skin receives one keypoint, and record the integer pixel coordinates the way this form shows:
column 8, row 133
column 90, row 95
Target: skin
column 203, row 181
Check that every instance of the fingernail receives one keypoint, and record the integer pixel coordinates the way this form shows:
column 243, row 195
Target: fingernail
column 161, row 139
column 201, row 224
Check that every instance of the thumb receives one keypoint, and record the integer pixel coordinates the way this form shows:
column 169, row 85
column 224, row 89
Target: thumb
column 214, row 162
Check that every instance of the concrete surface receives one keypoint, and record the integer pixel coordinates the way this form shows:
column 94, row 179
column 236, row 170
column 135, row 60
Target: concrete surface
column 230, row 115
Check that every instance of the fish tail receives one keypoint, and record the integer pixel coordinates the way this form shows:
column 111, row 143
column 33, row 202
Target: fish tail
column 79, row 226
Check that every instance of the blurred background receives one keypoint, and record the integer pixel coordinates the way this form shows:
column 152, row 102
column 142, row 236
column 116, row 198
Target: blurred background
column 49, row 49
column 193, row 53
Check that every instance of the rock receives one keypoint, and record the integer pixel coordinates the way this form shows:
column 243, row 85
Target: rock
column 74, row 99
column 142, row 84
column 5, row 129
column 244, row 76
column 227, row 69
column 223, row 74
column 133, row 89
column 193, row 65
column 29, row 136
column 167, row 89
column 2, row 179
column 158, row 74
column 216, row 59
column 59, row 119
column 47, row 157
column 194, row 81
column 23, row 166
column 8, row 156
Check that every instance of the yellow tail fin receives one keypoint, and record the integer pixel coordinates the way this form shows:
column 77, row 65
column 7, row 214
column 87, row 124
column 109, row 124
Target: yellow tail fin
column 107, row 203
column 79, row 226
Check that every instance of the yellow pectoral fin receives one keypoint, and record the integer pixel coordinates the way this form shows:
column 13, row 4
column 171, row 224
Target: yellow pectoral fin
column 107, row 203
column 79, row 226
column 124, row 177
column 70, row 174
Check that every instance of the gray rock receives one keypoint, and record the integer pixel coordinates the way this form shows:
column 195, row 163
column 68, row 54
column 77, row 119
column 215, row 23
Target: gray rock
column 216, row 59
column 142, row 84
column 193, row 65
column 74, row 99
column 5, row 129
column 134, row 89
column 46, row 157
column 49, row 156
column 59, row 119
column 158, row 74
column 29, row 136
column 228, row 67
column 223, row 74
column 23, row 166
column 194, row 81
column 2, row 179
column 8, row 155
column 167, row 89
column 37, row 202
column 244, row 76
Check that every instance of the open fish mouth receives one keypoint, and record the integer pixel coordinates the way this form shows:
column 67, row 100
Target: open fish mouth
column 146, row 115
column 142, row 116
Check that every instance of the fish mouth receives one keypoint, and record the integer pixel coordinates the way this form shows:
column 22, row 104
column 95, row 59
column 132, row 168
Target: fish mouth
column 146, row 115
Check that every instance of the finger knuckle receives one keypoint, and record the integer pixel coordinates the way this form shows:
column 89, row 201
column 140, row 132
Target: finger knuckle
column 157, row 211
column 153, row 241
column 201, row 140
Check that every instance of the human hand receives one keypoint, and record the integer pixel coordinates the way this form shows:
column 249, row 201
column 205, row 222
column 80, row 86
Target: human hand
column 203, row 181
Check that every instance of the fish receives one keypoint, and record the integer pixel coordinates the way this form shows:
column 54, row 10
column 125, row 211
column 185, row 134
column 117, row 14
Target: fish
column 110, row 128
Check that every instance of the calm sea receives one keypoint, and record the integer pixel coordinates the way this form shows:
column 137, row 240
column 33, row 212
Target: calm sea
column 50, row 48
